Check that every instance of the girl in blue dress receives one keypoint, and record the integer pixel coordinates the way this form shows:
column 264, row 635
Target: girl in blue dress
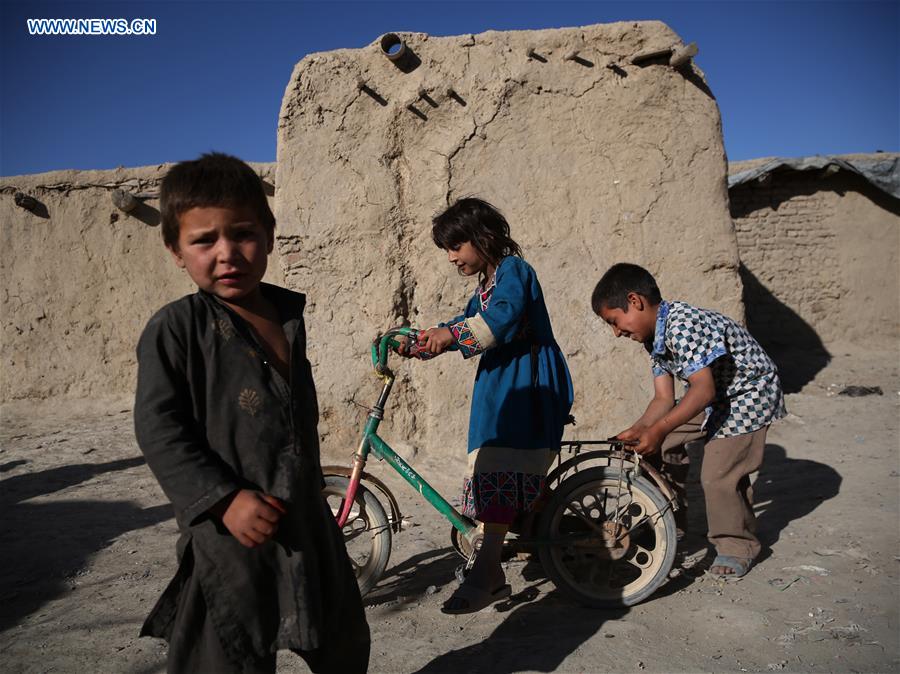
column 523, row 391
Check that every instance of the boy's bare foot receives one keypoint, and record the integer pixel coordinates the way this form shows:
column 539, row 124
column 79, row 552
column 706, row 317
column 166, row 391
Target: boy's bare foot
column 728, row 566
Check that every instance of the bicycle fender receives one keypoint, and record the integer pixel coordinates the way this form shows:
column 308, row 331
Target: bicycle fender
column 658, row 480
column 345, row 471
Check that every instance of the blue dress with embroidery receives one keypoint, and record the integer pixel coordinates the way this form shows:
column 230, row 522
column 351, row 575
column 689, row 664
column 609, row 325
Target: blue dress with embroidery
column 522, row 394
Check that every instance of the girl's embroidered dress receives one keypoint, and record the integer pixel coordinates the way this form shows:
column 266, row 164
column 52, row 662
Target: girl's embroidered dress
column 522, row 394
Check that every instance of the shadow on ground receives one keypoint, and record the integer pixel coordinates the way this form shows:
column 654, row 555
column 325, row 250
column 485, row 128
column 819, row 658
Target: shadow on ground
column 785, row 490
column 411, row 578
column 46, row 546
column 788, row 489
column 792, row 343
column 528, row 639
column 551, row 625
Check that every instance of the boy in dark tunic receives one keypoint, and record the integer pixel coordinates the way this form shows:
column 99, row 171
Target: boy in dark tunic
column 226, row 414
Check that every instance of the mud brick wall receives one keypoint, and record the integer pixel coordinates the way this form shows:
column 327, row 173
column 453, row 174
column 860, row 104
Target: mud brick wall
column 80, row 278
column 593, row 159
column 821, row 259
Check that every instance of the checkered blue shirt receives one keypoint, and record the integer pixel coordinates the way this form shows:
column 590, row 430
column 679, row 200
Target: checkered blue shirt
column 748, row 390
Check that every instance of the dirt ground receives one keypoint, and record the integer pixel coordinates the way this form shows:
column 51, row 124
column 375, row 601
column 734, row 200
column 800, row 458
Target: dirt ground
column 87, row 547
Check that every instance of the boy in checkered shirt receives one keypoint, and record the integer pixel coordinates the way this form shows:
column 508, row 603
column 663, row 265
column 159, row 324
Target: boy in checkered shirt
column 733, row 394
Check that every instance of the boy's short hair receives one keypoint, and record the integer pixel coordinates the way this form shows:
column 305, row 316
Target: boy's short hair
column 215, row 179
column 612, row 290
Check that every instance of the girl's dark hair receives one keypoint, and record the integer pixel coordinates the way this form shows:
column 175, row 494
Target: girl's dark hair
column 478, row 222
column 215, row 179
column 612, row 290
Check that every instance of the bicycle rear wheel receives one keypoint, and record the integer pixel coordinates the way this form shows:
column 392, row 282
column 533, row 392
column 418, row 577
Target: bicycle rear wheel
column 599, row 559
column 367, row 533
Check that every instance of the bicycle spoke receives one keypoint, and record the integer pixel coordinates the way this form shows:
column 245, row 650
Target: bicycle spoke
column 646, row 518
column 366, row 529
column 617, row 515
column 622, row 553
column 584, row 518
column 353, row 534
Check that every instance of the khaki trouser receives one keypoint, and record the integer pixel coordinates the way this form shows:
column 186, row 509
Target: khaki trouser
column 725, row 477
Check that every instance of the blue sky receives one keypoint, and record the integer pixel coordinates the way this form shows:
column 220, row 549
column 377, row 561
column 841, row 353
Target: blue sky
column 792, row 78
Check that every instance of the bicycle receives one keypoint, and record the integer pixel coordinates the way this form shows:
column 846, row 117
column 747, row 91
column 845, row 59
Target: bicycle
column 605, row 538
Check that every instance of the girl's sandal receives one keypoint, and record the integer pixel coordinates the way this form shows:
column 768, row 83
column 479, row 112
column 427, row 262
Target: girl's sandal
column 471, row 599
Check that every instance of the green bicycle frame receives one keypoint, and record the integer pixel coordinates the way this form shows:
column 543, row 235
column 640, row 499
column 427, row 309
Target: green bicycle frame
column 371, row 442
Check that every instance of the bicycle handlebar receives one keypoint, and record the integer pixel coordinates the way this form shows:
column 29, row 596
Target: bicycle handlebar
column 382, row 343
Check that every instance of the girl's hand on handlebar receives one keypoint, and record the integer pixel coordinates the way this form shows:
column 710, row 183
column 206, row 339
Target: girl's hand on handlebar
column 403, row 346
column 435, row 340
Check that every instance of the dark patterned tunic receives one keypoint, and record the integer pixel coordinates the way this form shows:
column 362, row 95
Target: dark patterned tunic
column 212, row 416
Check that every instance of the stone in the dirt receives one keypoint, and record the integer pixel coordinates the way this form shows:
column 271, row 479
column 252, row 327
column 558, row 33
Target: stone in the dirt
column 859, row 391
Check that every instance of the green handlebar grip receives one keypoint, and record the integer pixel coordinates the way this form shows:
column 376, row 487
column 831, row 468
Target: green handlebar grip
column 380, row 345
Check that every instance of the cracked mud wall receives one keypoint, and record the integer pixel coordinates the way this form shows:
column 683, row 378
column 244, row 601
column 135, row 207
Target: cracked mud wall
column 79, row 279
column 821, row 253
column 593, row 161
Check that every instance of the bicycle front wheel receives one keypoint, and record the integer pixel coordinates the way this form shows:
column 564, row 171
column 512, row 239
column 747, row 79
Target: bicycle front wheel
column 607, row 542
column 367, row 533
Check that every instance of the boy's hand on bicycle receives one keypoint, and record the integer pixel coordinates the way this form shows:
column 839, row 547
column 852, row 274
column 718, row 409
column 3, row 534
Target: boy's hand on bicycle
column 631, row 433
column 648, row 441
column 641, row 439
column 435, row 340
column 251, row 516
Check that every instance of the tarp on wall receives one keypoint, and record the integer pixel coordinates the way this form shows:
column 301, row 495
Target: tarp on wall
column 882, row 170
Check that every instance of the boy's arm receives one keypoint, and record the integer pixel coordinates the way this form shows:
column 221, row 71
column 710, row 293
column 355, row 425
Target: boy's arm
column 191, row 475
column 663, row 401
column 700, row 394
